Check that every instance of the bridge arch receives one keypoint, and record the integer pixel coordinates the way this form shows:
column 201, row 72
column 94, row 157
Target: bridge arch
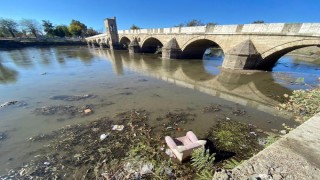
column 270, row 57
column 195, row 48
column 151, row 45
column 124, row 42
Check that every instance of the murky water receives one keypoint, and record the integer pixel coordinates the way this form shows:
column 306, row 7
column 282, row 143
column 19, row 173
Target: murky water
column 119, row 82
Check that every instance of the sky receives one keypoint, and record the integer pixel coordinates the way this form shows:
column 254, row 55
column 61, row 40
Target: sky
column 161, row 13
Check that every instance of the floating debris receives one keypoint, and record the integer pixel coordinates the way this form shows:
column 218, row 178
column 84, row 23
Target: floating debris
column 87, row 111
column 103, row 136
column 117, row 127
column 75, row 152
column 175, row 119
column 212, row 108
column 64, row 110
column 81, row 151
column 238, row 112
column 60, row 109
column 72, row 97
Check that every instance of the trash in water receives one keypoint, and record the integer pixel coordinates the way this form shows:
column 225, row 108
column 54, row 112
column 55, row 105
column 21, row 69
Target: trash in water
column 87, row 111
column 146, row 169
column 118, row 127
column 103, row 136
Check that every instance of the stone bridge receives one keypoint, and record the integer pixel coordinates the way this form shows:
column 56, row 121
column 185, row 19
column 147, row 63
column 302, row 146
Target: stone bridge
column 245, row 46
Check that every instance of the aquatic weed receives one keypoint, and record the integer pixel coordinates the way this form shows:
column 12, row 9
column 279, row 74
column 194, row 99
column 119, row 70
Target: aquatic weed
column 302, row 103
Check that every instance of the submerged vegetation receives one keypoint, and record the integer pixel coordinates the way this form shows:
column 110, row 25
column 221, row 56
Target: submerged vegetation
column 233, row 136
column 303, row 104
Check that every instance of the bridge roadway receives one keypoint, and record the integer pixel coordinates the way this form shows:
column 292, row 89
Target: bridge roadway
column 248, row 46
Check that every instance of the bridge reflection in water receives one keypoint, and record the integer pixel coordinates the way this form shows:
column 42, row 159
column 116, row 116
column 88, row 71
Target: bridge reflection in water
column 252, row 89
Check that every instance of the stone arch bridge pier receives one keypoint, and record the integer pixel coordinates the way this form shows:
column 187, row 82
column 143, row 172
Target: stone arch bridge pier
column 245, row 46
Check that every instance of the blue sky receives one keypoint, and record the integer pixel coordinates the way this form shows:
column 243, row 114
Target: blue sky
column 161, row 13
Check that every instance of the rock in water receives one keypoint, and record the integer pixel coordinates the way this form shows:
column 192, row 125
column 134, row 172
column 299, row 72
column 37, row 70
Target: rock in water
column 8, row 103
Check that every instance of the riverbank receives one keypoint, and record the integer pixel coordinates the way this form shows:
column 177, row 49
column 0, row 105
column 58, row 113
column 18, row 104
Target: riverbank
column 309, row 54
column 22, row 43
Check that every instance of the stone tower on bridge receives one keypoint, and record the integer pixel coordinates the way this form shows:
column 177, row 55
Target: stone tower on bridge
column 112, row 30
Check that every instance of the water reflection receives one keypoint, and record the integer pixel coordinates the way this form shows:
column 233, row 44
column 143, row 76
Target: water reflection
column 7, row 75
column 248, row 89
column 296, row 64
column 66, row 53
column 260, row 90
column 21, row 58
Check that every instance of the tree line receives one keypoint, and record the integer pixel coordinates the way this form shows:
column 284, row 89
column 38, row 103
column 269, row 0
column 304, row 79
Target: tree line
column 32, row 28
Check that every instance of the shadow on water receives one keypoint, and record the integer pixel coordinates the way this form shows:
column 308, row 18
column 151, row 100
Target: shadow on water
column 220, row 155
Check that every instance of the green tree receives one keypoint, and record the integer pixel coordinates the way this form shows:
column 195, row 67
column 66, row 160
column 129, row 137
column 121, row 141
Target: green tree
column 77, row 28
column 8, row 26
column 194, row 22
column 48, row 27
column 32, row 26
column 91, row 32
column 211, row 23
column 258, row 22
column 62, row 31
column 179, row 25
column 133, row 27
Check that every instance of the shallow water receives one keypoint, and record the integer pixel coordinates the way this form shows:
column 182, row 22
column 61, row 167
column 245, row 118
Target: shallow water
column 121, row 82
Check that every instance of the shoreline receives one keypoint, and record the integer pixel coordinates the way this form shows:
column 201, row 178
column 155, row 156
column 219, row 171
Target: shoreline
column 14, row 44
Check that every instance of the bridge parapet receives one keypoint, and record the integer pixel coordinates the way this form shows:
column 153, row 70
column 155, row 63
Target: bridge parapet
column 265, row 28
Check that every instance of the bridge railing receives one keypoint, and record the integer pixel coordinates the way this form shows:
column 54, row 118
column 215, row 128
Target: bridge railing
column 310, row 29
column 264, row 28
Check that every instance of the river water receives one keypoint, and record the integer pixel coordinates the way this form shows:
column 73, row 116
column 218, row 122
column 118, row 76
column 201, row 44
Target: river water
column 118, row 82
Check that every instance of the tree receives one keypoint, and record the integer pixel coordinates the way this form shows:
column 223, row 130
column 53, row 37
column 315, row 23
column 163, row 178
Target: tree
column 211, row 24
column 77, row 28
column 133, row 27
column 179, row 25
column 32, row 26
column 91, row 32
column 8, row 26
column 258, row 22
column 62, row 31
column 48, row 27
column 194, row 22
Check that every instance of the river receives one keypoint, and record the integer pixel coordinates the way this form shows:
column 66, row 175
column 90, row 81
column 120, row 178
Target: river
column 109, row 82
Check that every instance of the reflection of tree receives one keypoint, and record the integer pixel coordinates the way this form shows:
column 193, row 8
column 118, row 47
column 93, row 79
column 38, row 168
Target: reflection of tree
column 46, row 56
column 7, row 75
column 83, row 54
column 21, row 58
